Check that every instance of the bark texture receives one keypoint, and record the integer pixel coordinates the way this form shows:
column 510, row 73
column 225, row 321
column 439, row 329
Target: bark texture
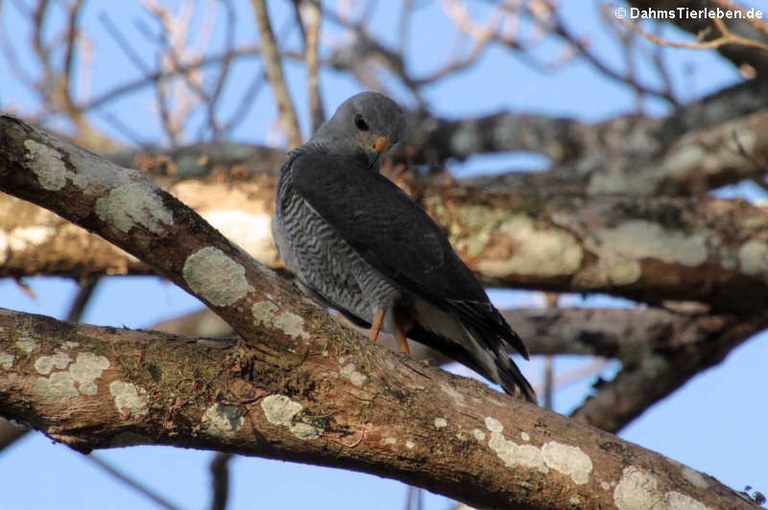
column 319, row 400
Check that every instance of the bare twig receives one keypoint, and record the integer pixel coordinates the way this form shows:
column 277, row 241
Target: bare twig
column 10, row 433
column 313, row 17
column 164, row 74
column 547, row 15
column 274, row 69
column 220, row 480
column 414, row 499
column 480, row 35
column 727, row 37
column 124, row 44
column 83, row 298
column 760, row 26
column 132, row 483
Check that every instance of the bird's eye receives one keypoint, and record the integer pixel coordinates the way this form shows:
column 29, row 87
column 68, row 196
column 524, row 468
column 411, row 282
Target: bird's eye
column 360, row 123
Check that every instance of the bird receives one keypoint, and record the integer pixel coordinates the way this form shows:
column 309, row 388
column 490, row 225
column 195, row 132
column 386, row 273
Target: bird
column 359, row 244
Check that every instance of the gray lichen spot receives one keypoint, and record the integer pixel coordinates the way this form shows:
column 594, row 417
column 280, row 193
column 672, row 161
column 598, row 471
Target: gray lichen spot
column 130, row 400
column 679, row 501
column 350, row 372
column 696, row 478
column 622, row 247
column 222, row 420
column 568, row 460
column 86, row 369
column 28, row 345
column 753, row 257
column 638, row 490
column 466, row 140
column 135, row 204
column 265, row 312
column 56, row 387
column 47, row 164
column 441, row 423
column 281, row 410
column 291, row 324
column 513, row 454
column 548, row 252
column 493, row 424
column 213, row 275
column 479, row 434
column 6, row 360
column 45, row 364
column 619, row 182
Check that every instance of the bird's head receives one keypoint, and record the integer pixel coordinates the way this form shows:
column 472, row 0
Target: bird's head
column 369, row 122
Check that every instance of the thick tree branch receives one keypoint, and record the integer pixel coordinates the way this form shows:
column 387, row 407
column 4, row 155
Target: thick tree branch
column 346, row 405
column 625, row 334
column 722, row 135
column 299, row 387
column 661, row 370
column 660, row 350
column 653, row 249
column 645, row 249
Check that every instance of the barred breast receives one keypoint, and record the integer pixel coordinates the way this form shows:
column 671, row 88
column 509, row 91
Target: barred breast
column 325, row 264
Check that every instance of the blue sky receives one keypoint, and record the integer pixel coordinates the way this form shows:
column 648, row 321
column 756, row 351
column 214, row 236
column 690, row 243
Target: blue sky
column 714, row 424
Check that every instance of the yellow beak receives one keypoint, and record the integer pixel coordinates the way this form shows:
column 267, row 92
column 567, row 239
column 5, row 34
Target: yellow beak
column 380, row 144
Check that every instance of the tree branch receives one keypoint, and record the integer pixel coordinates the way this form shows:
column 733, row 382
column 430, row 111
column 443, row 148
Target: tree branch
column 274, row 68
column 93, row 387
column 653, row 249
column 661, row 370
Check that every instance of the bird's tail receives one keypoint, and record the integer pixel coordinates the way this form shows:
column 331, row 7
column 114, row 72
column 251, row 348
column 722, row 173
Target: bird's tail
column 498, row 343
column 491, row 360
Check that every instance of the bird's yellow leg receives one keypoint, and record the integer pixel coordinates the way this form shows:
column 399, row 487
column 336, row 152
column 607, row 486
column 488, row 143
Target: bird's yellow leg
column 400, row 335
column 378, row 321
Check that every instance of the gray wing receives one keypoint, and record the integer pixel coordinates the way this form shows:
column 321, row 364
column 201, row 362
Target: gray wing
column 383, row 224
column 396, row 237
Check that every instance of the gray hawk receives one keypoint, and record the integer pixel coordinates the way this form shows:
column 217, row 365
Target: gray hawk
column 357, row 243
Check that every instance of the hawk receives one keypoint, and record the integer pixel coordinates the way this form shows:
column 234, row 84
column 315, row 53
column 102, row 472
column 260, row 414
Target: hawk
column 359, row 244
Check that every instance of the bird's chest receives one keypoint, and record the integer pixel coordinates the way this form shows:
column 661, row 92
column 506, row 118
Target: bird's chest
column 325, row 262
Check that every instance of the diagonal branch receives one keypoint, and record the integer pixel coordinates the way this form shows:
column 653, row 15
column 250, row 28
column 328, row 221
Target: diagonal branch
column 661, row 370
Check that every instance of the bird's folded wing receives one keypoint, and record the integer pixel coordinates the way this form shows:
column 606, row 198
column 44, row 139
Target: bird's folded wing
column 382, row 224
